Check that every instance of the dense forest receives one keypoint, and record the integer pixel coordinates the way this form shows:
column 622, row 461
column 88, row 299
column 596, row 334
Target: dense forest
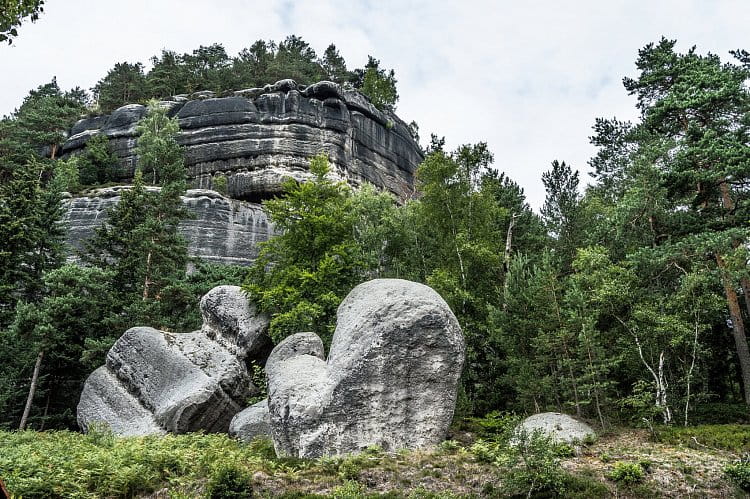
column 622, row 301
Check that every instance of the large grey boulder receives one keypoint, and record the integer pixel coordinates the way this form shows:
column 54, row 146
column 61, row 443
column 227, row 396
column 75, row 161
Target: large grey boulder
column 155, row 382
column 558, row 427
column 253, row 422
column 390, row 378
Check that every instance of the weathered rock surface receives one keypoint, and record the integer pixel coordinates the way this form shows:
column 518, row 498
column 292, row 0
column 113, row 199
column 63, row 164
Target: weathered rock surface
column 390, row 378
column 259, row 136
column 559, row 427
column 252, row 423
column 155, row 381
column 222, row 230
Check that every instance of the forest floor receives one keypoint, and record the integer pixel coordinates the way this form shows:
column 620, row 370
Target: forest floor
column 668, row 462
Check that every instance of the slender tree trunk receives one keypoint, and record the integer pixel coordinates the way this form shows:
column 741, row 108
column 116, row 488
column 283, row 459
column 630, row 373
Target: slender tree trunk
column 32, row 389
column 568, row 356
column 46, row 411
column 147, row 280
column 690, row 371
column 3, row 490
column 460, row 258
column 738, row 327
column 745, row 282
column 660, row 397
column 506, row 257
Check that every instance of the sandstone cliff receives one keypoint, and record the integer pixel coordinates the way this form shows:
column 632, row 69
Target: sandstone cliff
column 221, row 230
column 255, row 138
column 261, row 135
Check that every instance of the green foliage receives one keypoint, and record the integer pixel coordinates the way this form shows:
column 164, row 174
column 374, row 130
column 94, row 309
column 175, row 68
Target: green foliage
column 124, row 84
column 73, row 311
column 65, row 464
column 720, row 413
column 220, row 184
column 626, row 473
column 534, row 466
column 739, row 473
column 97, row 164
column 379, row 85
column 263, row 62
column 495, row 426
column 731, row 437
column 13, row 12
column 302, row 275
column 229, row 482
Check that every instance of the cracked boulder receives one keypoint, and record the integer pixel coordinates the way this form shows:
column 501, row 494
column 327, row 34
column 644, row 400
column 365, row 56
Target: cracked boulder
column 390, row 379
column 156, row 382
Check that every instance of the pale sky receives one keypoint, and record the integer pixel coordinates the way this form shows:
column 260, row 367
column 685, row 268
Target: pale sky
column 529, row 78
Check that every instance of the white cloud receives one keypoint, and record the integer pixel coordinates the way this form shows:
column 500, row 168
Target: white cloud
column 529, row 78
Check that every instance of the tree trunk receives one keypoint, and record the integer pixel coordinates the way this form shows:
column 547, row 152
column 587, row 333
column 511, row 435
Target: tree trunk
column 738, row 327
column 745, row 282
column 506, row 257
column 147, row 280
column 32, row 389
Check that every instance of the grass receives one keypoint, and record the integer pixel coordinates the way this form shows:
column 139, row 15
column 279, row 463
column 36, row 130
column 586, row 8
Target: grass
column 626, row 463
column 730, row 437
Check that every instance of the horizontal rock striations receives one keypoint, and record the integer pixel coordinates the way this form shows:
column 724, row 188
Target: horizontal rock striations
column 222, row 230
column 259, row 136
column 155, row 382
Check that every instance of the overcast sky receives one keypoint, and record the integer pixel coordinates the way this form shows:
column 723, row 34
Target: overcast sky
column 529, row 78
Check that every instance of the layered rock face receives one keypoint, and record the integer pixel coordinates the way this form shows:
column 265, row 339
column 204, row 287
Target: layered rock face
column 222, row 230
column 390, row 379
column 157, row 382
column 261, row 135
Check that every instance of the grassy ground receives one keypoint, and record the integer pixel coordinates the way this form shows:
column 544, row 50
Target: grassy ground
column 671, row 462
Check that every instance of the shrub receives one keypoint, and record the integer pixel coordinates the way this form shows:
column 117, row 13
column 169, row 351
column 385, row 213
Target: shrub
column 731, row 437
column 627, row 473
column 449, row 447
column 220, row 184
column 496, row 426
column 349, row 469
column 230, row 482
column 534, row 466
column 485, row 451
column 739, row 473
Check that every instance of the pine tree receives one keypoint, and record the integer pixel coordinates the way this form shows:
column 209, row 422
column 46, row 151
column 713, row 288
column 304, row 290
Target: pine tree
column 560, row 211
column 124, row 84
column 694, row 126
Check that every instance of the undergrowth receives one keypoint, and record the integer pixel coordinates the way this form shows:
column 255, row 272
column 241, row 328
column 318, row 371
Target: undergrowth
column 731, row 437
column 502, row 462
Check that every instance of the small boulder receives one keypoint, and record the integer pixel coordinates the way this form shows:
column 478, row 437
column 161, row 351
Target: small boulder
column 560, row 428
column 391, row 376
column 252, row 423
